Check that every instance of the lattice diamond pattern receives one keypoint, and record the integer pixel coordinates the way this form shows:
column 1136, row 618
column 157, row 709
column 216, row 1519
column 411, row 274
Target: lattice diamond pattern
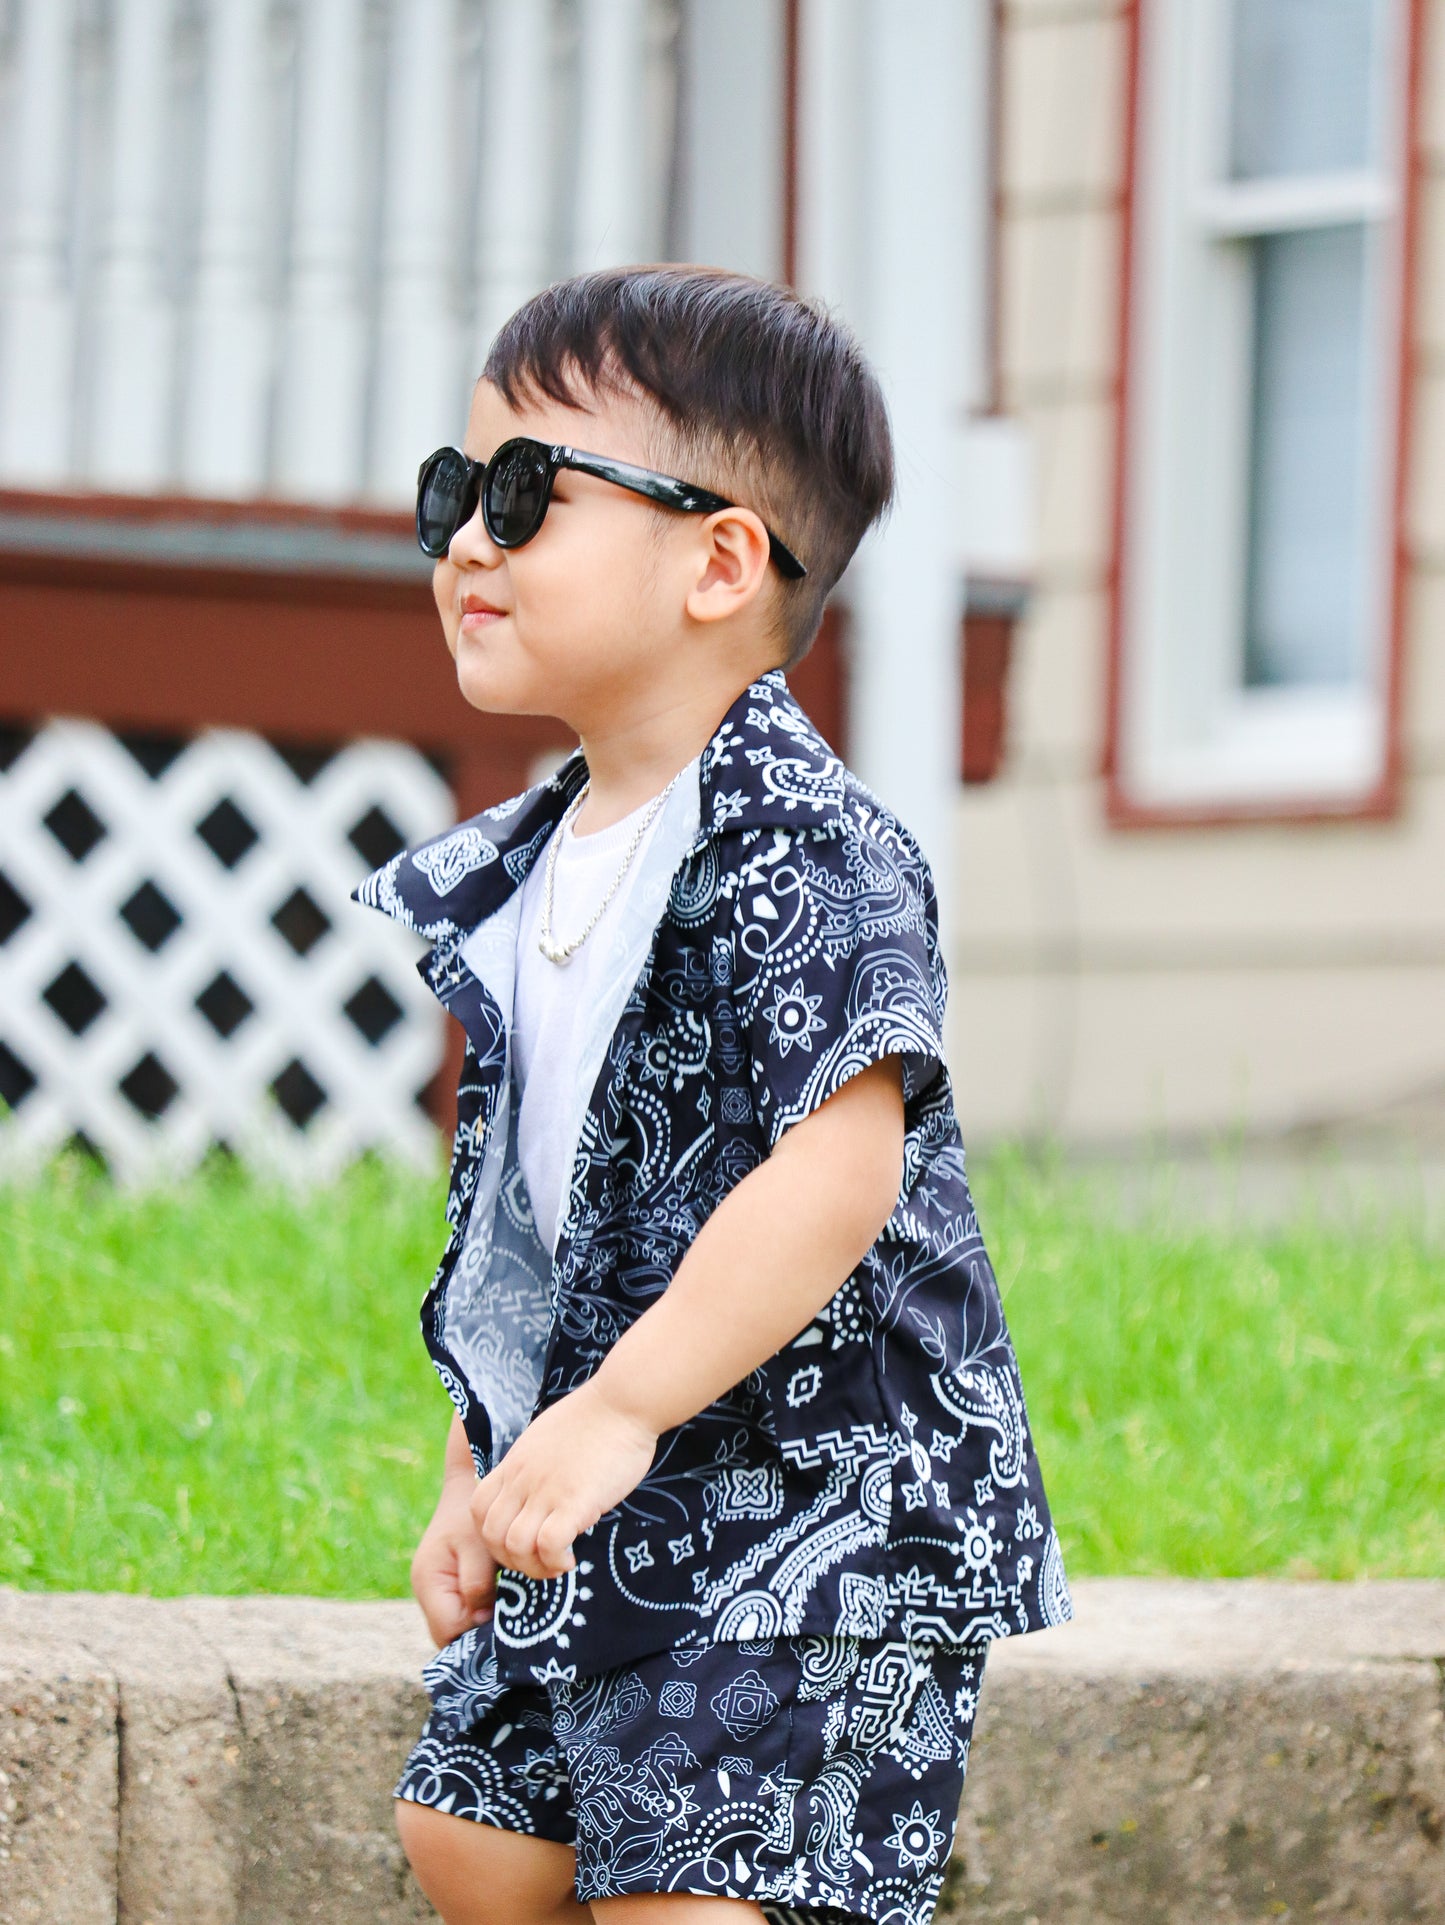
column 180, row 962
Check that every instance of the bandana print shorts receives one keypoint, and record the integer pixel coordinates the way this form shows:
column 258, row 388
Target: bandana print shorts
column 818, row 1776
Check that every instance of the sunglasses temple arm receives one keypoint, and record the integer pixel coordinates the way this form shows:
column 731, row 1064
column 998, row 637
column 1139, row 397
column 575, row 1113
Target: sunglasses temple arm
column 671, row 492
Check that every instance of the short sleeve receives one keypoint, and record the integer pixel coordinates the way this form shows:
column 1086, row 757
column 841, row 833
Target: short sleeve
column 835, row 965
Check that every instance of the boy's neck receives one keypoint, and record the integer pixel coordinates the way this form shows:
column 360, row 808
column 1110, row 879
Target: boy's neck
column 633, row 755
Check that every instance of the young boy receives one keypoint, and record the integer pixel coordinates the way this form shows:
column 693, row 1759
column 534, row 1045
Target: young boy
column 740, row 1483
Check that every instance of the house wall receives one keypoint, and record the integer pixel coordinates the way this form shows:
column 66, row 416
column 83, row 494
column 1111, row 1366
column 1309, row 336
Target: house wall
column 1106, row 979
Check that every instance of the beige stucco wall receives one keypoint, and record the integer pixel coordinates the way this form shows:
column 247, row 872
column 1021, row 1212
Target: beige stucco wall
column 1107, row 981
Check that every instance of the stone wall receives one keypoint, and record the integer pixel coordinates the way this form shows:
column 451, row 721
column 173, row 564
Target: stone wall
column 1230, row 1751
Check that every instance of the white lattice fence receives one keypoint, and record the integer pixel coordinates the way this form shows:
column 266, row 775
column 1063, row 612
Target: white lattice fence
column 180, row 962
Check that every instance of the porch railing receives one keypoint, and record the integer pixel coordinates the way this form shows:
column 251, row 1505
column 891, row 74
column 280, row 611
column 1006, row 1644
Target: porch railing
column 257, row 247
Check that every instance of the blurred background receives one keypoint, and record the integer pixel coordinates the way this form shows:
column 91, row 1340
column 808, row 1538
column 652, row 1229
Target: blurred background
column 1150, row 654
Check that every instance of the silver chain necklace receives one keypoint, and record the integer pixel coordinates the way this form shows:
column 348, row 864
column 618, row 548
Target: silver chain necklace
column 563, row 952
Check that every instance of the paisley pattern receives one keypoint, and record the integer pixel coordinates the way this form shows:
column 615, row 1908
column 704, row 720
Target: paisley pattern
column 448, row 862
column 819, row 1777
column 876, row 1478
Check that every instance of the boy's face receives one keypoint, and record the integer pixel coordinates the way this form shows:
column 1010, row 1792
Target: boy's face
column 591, row 611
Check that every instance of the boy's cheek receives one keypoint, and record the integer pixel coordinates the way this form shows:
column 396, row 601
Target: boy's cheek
column 444, row 593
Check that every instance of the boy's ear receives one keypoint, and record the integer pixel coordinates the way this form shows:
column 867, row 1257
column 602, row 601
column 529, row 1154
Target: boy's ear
column 732, row 551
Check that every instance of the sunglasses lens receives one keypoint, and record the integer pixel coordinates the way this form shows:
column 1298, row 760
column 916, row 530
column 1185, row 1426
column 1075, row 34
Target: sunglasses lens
column 441, row 504
column 516, row 495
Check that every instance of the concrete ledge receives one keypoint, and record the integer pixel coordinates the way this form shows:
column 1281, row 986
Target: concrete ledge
column 1241, row 1750
column 1235, row 1750
column 242, row 1754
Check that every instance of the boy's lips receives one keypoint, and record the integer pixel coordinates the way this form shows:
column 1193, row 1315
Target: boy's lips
column 476, row 613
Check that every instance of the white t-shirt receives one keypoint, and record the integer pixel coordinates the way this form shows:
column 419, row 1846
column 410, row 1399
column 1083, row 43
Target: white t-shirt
column 552, row 1002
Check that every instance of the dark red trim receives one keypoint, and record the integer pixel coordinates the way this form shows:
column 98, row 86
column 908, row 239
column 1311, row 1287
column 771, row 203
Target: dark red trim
column 188, row 578
column 92, row 505
column 309, row 661
column 987, row 652
column 1384, row 800
column 1415, row 169
column 791, row 32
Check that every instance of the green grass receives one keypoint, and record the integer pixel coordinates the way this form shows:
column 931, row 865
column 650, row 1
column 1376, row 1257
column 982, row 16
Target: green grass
column 219, row 1387
column 1226, row 1402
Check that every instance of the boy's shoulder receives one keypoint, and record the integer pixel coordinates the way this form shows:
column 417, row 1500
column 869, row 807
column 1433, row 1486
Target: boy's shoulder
column 769, row 766
column 846, row 856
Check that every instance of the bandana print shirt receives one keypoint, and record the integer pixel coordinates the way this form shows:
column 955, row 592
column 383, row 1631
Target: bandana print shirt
column 876, row 1477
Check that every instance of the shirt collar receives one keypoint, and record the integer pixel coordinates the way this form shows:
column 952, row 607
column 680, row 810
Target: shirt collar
column 765, row 765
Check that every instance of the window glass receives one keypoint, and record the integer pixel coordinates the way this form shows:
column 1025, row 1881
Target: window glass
column 1301, row 86
column 1308, row 523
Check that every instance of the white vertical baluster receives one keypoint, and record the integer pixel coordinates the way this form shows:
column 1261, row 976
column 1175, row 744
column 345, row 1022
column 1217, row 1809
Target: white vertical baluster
column 224, row 427
column 37, row 337
column 833, row 153
column 920, row 263
column 134, row 322
column 323, row 371
column 514, row 182
column 611, row 193
column 417, row 349
column 732, row 125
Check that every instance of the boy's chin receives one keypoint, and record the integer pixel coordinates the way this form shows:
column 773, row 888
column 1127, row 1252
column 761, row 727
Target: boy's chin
column 496, row 692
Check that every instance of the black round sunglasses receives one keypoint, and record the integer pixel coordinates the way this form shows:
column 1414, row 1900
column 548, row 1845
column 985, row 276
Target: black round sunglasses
column 515, row 487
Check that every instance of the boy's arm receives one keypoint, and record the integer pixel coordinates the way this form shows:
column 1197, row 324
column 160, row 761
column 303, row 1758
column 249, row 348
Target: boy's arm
column 766, row 1261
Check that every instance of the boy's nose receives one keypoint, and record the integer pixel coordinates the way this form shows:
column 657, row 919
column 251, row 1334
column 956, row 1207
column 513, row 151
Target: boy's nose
column 471, row 542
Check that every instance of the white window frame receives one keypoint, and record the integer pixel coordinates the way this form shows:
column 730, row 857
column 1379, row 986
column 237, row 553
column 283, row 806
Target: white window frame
column 1191, row 735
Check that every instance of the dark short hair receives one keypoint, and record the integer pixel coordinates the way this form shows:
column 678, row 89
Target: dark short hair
column 757, row 392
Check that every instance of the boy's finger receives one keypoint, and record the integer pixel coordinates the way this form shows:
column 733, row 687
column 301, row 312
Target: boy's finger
column 521, row 1537
column 476, row 1577
column 448, row 1624
column 441, row 1604
column 554, row 1545
column 547, row 1569
column 490, row 1491
column 497, row 1521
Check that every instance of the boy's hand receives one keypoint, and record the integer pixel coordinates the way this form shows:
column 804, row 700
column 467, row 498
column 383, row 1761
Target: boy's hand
column 768, row 1258
column 453, row 1574
column 573, row 1462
